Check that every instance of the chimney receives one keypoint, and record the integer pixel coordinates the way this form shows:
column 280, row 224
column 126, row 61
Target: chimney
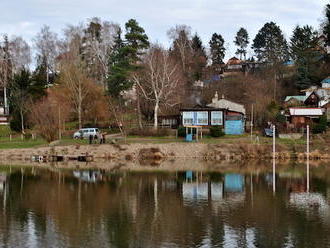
column 215, row 98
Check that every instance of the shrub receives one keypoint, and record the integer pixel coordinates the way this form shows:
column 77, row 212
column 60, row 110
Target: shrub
column 216, row 131
column 321, row 126
column 149, row 132
column 181, row 132
column 28, row 136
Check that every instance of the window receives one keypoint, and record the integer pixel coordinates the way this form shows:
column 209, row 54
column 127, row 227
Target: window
column 202, row 118
column 216, row 118
column 188, row 118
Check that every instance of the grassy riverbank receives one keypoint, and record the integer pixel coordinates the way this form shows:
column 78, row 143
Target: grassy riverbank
column 244, row 142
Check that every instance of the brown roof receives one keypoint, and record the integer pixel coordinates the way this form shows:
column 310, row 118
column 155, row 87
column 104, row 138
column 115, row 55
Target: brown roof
column 234, row 61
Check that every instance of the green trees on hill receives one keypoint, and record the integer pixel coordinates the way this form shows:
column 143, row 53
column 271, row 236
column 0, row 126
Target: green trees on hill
column 326, row 24
column 242, row 41
column 124, row 57
column 217, row 49
column 270, row 45
column 305, row 54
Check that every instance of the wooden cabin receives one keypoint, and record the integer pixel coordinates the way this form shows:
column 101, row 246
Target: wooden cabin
column 301, row 117
column 221, row 112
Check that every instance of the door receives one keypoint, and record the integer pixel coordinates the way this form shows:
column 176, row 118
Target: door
column 234, row 127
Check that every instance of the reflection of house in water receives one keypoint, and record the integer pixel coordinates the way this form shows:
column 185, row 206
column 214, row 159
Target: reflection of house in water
column 3, row 187
column 311, row 202
column 233, row 237
column 234, row 183
column 88, row 176
column 234, row 188
column 195, row 189
column 3, row 179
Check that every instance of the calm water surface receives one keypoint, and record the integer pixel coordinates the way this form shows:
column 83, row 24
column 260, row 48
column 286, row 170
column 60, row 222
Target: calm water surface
column 64, row 208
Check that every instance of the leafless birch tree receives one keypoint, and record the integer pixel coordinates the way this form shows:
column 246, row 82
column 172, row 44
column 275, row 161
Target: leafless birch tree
column 158, row 80
column 46, row 45
column 20, row 52
column 181, row 36
column 75, row 86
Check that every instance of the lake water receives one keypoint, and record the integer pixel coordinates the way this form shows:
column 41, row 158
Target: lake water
column 92, row 208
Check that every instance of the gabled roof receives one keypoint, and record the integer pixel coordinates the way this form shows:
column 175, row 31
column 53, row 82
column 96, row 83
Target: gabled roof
column 234, row 61
column 322, row 103
column 226, row 104
column 298, row 98
column 305, row 111
column 326, row 80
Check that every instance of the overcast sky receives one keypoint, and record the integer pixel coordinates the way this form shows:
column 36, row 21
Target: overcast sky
column 25, row 17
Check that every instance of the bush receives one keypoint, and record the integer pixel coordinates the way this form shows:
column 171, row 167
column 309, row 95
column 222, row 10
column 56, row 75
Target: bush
column 321, row 126
column 181, row 132
column 28, row 136
column 160, row 132
column 216, row 132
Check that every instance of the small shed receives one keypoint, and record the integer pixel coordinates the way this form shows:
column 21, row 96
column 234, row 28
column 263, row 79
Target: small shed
column 301, row 117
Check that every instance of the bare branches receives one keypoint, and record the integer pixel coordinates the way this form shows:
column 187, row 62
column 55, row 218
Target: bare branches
column 158, row 80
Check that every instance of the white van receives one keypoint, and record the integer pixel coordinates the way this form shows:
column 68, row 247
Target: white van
column 85, row 133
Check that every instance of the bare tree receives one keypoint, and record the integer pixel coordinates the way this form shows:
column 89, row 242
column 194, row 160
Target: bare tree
column 47, row 48
column 45, row 115
column 20, row 52
column 158, row 80
column 21, row 99
column 181, row 37
column 97, row 44
column 75, row 85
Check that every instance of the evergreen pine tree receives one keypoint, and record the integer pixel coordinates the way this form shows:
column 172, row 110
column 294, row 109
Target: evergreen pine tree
column 217, row 49
column 136, row 39
column 125, row 56
column 270, row 45
column 242, row 41
column 304, row 52
column 199, row 58
column 326, row 26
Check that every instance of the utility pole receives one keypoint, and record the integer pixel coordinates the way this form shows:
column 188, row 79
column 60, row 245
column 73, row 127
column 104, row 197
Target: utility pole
column 251, row 121
column 59, row 123
column 274, row 163
column 307, row 159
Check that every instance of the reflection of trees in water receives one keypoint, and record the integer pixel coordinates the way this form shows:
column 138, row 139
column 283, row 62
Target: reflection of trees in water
column 147, row 210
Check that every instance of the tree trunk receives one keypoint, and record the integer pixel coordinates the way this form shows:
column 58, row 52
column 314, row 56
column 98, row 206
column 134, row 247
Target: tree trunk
column 79, row 106
column 156, row 114
column 139, row 112
column 22, row 122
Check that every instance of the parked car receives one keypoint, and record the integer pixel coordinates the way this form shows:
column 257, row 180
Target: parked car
column 85, row 133
column 268, row 132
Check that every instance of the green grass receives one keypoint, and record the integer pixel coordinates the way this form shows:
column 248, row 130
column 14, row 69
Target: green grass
column 5, row 131
column 22, row 144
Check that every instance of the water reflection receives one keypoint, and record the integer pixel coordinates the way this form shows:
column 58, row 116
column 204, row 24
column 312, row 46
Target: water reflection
column 94, row 208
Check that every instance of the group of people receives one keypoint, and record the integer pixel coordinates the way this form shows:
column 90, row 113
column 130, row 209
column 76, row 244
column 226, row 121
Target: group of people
column 97, row 139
